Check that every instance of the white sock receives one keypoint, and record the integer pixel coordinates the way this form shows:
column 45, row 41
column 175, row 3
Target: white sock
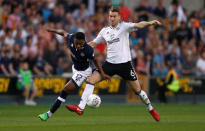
column 86, row 93
column 49, row 113
column 143, row 96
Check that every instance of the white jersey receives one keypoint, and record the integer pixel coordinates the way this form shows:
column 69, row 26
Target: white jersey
column 117, row 39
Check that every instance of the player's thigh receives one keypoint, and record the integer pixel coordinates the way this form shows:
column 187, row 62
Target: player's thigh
column 94, row 78
column 78, row 79
column 135, row 85
column 80, row 76
column 127, row 71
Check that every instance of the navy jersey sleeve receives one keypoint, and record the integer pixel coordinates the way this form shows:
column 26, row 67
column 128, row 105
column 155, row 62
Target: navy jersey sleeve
column 70, row 37
column 91, row 53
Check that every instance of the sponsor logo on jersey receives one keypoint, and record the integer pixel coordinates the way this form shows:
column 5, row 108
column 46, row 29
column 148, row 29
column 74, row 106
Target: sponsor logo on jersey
column 113, row 41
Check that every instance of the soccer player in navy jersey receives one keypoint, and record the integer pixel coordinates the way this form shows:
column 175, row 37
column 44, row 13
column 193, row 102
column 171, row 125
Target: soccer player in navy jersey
column 82, row 54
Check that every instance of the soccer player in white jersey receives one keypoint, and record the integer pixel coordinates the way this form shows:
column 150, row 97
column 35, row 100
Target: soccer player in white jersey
column 118, row 59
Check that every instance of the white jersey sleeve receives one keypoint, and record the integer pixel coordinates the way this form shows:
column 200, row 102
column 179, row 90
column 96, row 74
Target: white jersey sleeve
column 99, row 37
column 130, row 26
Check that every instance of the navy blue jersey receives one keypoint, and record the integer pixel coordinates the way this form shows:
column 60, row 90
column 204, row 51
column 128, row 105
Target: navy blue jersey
column 81, row 58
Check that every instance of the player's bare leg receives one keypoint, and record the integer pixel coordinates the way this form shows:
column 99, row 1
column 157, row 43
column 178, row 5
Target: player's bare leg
column 94, row 78
column 143, row 96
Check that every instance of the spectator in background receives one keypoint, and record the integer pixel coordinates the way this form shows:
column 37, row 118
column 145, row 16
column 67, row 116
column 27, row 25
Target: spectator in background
column 5, row 61
column 177, row 12
column 175, row 45
column 33, row 36
column 133, row 39
column 195, row 24
column 173, row 58
column 55, row 16
column 201, row 65
column 188, row 66
column 160, row 11
column 183, row 33
column 31, row 59
column 75, row 5
column 25, row 82
column 46, row 12
column 61, row 67
column 15, row 61
column 141, row 63
column 9, row 40
column 14, row 19
column 159, row 68
column 18, row 39
column 149, row 64
column 144, row 10
column 28, row 48
column 51, row 55
column 81, row 13
column 41, row 67
column 124, row 12
column 202, row 31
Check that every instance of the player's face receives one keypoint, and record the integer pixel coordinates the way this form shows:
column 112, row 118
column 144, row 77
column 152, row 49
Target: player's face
column 79, row 44
column 114, row 18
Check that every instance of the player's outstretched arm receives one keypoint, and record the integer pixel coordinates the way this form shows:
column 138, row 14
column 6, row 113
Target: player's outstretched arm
column 144, row 24
column 58, row 31
column 104, row 76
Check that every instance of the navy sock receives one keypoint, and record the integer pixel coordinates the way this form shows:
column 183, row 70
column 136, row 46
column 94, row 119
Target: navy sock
column 58, row 102
column 137, row 93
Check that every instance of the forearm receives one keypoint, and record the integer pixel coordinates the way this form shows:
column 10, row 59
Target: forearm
column 97, row 63
column 4, row 70
column 143, row 24
column 11, row 69
column 58, row 31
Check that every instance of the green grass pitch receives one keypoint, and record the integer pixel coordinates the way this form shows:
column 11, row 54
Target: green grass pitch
column 105, row 118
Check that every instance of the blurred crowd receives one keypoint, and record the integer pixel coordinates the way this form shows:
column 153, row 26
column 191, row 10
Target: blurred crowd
column 180, row 40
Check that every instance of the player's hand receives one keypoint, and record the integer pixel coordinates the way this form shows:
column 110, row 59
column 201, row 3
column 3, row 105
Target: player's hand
column 106, row 77
column 156, row 23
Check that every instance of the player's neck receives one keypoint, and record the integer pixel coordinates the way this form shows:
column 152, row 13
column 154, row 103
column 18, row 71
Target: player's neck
column 114, row 26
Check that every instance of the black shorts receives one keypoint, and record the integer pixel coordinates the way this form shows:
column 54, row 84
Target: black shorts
column 125, row 70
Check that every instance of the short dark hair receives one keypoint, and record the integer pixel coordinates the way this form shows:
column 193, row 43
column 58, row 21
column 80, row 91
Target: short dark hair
column 80, row 36
column 114, row 9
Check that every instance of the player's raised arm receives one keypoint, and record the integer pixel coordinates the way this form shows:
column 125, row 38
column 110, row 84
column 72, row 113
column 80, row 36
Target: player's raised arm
column 144, row 24
column 58, row 31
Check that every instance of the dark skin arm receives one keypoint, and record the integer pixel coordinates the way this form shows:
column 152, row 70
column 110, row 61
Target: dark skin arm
column 104, row 76
column 58, row 31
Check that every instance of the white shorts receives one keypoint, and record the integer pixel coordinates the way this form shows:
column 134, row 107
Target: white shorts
column 80, row 76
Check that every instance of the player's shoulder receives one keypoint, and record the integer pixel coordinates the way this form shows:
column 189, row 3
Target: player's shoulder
column 88, row 48
column 70, row 36
column 123, row 23
column 105, row 29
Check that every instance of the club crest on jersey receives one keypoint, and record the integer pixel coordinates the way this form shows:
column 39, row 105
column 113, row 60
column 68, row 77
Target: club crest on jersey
column 71, row 45
column 108, row 32
column 82, row 54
